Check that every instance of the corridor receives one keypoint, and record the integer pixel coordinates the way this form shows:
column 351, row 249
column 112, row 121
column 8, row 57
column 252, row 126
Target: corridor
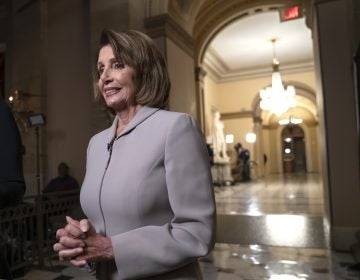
column 273, row 229
column 268, row 229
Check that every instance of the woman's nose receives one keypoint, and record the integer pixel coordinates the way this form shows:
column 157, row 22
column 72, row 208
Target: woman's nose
column 105, row 76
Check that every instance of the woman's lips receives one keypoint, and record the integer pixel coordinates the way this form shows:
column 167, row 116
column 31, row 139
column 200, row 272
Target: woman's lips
column 111, row 91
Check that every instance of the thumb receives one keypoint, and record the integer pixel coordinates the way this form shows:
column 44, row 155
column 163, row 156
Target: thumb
column 86, row 226
column 71, row 221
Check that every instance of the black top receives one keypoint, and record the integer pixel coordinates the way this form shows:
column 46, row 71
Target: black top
column 12, row 185
column 11, row 168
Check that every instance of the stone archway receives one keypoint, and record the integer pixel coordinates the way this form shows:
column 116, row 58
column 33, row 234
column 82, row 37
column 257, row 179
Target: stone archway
column 214, row 15
column 211, row 18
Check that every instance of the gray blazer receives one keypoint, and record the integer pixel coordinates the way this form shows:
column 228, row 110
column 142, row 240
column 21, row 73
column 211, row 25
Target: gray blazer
column 150, row 191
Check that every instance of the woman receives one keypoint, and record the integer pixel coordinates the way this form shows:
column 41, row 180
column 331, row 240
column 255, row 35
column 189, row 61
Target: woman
column 147, row 192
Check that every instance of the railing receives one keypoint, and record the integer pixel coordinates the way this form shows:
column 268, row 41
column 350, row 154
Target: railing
column 29, row 229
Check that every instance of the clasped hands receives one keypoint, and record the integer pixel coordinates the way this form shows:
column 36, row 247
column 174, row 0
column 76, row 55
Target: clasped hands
column 79, row 243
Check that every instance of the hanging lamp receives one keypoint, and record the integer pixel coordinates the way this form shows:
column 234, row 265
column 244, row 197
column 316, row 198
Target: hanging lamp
column 276, row 98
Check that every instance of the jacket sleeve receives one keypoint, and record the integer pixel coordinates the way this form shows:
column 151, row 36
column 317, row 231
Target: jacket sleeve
column 12, row 184
column 152, row 250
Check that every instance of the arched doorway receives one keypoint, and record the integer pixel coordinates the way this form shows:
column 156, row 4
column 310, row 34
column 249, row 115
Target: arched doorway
column 293, row 149
column 232, row 83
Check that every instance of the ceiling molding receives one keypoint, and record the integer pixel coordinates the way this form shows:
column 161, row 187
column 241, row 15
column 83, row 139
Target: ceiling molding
column 237, row 115
column 220, row 73
column 214, row 15
column 184, row 12
column 214, row 60
column 165, row 26
column 156, row 7
column 309, row 123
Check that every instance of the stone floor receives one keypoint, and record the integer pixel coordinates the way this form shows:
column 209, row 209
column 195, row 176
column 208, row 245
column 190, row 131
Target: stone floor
column 267, row 230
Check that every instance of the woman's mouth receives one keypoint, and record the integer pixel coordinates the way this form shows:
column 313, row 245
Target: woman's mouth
column 111, row 91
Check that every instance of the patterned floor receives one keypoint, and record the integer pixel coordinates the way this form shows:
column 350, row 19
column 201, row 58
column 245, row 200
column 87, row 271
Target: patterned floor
column 267, row 230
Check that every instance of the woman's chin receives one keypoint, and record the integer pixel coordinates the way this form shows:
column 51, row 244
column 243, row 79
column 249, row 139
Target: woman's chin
column 116, row 106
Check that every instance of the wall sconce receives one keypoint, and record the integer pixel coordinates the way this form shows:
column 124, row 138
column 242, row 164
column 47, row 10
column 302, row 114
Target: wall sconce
column 250, row 137
column 16, row 101
column 229, row 138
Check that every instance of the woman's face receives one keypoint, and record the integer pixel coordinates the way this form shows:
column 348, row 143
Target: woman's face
column 116, row 80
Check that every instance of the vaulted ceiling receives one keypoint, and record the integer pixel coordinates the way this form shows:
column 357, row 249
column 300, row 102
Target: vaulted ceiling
column 243, row 49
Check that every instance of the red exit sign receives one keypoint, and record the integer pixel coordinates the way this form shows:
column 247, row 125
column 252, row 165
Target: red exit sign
column 290, row 13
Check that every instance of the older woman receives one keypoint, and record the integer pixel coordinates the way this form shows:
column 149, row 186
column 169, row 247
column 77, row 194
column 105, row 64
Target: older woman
column 147, row 192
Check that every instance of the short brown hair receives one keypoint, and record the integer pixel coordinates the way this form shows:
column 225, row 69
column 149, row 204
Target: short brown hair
column 139, row 51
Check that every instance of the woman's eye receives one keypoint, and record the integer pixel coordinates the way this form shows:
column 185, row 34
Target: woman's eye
column 100, row 70
column 118, row 65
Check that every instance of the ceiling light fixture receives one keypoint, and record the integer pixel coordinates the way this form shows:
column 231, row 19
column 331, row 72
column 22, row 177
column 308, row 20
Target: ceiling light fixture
column 276, row 98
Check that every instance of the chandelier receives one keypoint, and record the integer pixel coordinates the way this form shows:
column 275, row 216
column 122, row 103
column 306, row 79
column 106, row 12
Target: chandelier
column 276, row 98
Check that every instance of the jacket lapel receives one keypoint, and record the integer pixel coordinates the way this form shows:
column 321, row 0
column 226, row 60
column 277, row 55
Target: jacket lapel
column 144, row 113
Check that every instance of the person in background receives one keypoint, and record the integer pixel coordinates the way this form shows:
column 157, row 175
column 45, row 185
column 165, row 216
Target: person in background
column 243, row 160
column 12, row 184
column 63, row 182
column 210, row 153
column 147, row 192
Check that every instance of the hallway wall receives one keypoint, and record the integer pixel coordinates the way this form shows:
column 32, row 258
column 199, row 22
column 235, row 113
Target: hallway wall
column 211, row 97
column 181, row 70
column 68, row 86
column 335, row 38
column 238, row 97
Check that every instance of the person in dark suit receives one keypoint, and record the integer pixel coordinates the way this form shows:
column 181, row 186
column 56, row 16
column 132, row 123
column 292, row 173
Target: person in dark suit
column 147, row 191
column 12, row 184
column 243, row 160
column 63, row 182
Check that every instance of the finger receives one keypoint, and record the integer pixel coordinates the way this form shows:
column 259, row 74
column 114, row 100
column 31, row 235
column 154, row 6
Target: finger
column 74, row 231
column 68, row 254
column 78, row 263
column 85, row 225
column 72, row 221
column 57, row 247
column 61, row 232
column 76, row 224
column 70, row 242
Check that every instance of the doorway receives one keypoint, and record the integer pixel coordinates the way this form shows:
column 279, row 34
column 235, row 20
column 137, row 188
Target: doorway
column 293, row 149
